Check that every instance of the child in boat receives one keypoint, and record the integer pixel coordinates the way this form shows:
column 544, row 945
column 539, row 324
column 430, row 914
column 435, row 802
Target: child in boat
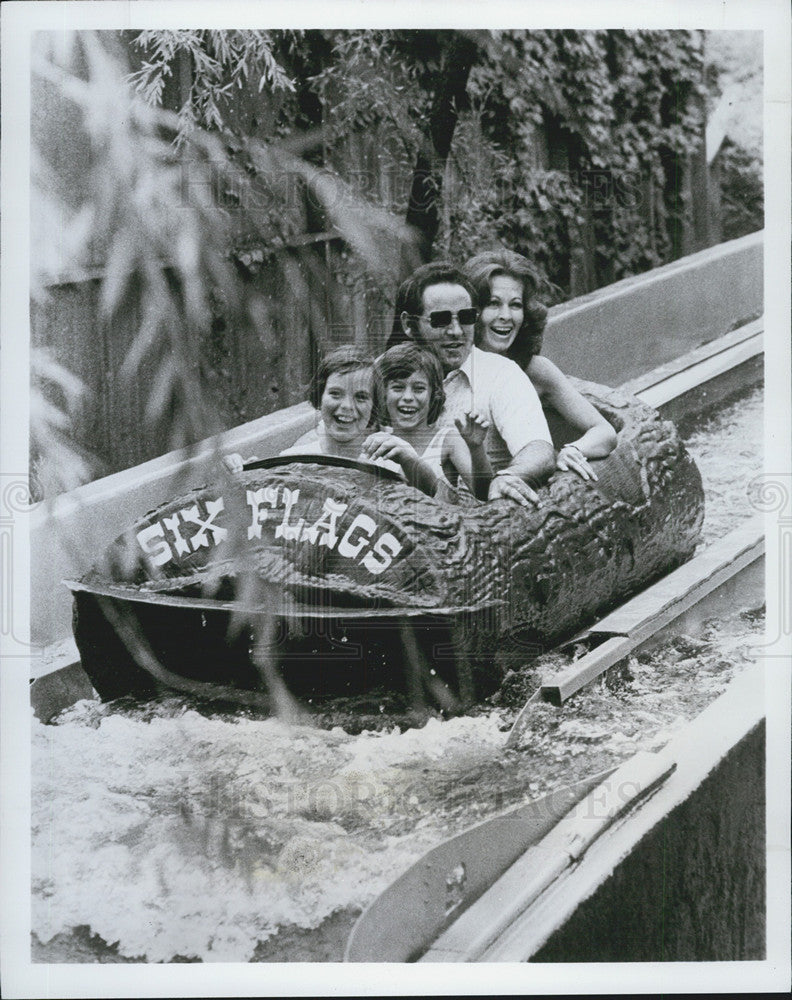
column 342, row 392
column 411, row 377
column 345, row 394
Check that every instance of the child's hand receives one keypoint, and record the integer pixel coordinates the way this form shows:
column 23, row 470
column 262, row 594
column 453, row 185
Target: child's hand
column 472, row 428
column 234, row 462
column 382, row 444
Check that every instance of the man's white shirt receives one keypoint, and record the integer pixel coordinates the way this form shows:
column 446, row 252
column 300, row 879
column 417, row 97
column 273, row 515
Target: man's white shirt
column 498, row 389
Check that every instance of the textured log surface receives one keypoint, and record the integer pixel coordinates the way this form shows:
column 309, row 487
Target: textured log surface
column 323, row 537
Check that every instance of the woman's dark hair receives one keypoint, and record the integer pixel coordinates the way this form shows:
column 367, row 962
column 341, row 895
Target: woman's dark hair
column 403, row 360
column 409, row 297
column 339, row 362
column 480, row 271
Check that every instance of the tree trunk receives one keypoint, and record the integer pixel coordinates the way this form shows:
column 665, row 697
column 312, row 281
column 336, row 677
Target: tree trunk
column 422, row 211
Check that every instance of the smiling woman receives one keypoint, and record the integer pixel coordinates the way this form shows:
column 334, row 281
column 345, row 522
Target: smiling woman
column 511, row 324
column 503, row 315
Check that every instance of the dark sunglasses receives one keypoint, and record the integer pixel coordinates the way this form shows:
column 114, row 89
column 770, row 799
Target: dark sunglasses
column 444, row 317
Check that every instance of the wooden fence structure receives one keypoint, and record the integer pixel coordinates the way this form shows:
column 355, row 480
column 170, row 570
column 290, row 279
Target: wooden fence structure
column 258, row 370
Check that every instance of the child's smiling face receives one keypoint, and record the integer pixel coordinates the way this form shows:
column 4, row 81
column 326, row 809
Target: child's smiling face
column 407, row 399
column 346, row 405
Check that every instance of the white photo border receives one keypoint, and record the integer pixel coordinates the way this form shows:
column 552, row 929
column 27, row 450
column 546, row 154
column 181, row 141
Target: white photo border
column 21, row 978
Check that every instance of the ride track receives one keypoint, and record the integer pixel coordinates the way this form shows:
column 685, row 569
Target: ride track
column 500, row 890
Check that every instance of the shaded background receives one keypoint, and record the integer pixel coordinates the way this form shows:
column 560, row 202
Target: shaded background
column 191, row 266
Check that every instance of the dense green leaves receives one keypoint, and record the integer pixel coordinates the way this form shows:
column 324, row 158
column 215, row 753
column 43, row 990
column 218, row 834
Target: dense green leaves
column 567, row 138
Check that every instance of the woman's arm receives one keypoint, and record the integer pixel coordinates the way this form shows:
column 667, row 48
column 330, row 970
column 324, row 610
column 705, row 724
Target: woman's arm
column 465, row 449
column 597, row 437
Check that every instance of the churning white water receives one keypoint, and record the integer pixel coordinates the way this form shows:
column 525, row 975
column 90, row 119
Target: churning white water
column 171, row 831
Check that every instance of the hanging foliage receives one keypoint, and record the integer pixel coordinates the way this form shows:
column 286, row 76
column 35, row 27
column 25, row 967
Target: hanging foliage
column 569, row 146
column 221, row 63
column 587, row 134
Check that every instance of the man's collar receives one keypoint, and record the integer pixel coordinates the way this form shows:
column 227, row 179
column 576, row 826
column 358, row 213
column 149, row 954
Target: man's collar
column 466, row 367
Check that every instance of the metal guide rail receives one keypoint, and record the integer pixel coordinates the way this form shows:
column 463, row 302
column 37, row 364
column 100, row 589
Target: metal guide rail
column 460, row 900
column 713, row 581
column 625, row 826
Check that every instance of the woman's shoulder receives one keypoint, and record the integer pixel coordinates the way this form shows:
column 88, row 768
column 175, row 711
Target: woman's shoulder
column 539, row 363
column 543, row 373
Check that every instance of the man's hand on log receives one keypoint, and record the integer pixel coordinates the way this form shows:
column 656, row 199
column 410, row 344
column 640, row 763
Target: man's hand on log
column 509, row 486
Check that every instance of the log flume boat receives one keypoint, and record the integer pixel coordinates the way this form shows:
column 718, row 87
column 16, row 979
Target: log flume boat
column 361, row 572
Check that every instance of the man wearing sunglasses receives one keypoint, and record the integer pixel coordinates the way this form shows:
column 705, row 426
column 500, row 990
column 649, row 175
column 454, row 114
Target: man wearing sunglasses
column 434, row 306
